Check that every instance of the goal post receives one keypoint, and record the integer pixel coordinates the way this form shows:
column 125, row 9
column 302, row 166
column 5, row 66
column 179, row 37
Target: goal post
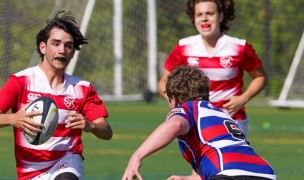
column 118, row 82
column 152, row 46
column 83, row 28
column 286, row 98
column 118, row 54
column 129, row 41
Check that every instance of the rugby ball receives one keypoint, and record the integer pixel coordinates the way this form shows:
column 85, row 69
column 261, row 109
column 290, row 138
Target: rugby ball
column 49, row 118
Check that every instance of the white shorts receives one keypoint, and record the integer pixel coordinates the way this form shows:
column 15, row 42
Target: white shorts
column 69, row 163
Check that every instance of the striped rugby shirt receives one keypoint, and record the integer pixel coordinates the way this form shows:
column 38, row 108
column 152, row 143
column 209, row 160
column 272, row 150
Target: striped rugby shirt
column 76, row 96
column 224, row 67
column 215, row 144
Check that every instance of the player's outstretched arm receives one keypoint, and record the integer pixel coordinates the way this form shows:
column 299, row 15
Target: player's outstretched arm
column 160, row 137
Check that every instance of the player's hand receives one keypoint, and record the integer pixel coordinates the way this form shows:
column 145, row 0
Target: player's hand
column 190, row 177
column 233, row 104
column 174, row 177
column 22, row 120
column 76, row 121
column 131, row 171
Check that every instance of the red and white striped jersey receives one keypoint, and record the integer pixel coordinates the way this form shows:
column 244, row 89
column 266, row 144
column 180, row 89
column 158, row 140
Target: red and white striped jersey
column 224, row 67
column 76, row 95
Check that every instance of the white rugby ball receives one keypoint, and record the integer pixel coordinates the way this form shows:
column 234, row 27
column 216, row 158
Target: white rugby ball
column 49, row 118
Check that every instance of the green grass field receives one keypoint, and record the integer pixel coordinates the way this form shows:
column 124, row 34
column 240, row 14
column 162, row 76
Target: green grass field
column 276, row 134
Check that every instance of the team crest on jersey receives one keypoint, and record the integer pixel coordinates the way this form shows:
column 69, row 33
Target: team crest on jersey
column 193, row 61
column 226, row 61
column 69, row 102
column 32, row 96
column 175, row 111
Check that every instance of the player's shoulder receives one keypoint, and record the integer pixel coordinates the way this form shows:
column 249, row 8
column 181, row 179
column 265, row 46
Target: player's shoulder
column 208, row 105
column 76, row 80
column 176, row 111
column 27, row 72
column 190, row 40
column 234, row 40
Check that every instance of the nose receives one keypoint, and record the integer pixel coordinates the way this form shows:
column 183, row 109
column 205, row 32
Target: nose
column 204, row 17
column 61, row 48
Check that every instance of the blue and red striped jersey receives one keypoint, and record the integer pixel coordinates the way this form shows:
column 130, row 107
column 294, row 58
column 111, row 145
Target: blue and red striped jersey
column 216, row 145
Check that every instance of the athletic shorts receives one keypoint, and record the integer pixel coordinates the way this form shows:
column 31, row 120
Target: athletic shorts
column 70, row 163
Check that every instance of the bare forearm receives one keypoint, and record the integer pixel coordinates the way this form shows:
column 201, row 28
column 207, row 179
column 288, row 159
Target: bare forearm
column 163, row 135
column 156, row 141
column 103, row 132
column 5, row 120
column 100, row 129
column 162, row 89
column 162, row 84
column 255, row 87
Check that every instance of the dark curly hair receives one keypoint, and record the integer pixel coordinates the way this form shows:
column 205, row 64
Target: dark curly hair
column 65, row 21
column 187, row 83
column 224, row 6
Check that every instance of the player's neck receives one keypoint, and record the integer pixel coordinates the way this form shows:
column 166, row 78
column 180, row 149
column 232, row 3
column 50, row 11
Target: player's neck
column 55, row 78
column 210, row 43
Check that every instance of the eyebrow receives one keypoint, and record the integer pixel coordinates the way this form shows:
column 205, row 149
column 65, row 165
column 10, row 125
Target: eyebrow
column 58, row 40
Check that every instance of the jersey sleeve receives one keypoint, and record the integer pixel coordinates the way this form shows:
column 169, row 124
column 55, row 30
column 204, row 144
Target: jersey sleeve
column 9, row 94
column 174, row 59
column 181, row 111
column 94, row 107
column 251, row 61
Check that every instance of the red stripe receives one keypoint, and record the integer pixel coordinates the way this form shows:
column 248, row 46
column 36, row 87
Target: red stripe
column 212, row 155
column 37, row 155
column 62, row 131
column 194, row 105
column 225, row 84
column 213, row 131
column 29, row 175
column 238, row 157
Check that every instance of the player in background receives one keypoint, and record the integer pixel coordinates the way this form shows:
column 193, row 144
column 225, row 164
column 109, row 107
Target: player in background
column 223, row 58
column 80, row 108
column 209, row 140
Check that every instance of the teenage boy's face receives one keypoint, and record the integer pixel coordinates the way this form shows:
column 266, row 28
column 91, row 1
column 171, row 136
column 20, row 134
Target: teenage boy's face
column 59, row 49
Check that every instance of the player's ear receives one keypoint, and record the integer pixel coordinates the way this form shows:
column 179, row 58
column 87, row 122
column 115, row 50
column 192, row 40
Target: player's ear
column 42, row 47
column 221, row 17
